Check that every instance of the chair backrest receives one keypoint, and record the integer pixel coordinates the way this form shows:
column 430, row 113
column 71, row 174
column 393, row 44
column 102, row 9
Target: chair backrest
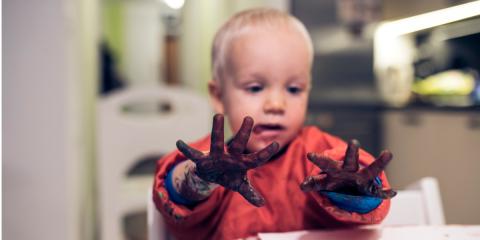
column 155, row 224
column 419, row 204
column 138, row 125
column 139, row 121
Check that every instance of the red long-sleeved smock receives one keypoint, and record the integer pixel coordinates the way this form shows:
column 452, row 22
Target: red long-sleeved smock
column 227, row 215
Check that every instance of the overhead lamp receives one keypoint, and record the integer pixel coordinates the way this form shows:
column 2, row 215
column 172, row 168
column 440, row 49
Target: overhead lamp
column 174, row 4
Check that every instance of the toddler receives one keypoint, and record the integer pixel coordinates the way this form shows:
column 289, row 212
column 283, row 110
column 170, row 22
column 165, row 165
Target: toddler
column 275, row 174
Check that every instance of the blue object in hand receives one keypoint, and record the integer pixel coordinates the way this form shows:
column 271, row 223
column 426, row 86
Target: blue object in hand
column 353, row 203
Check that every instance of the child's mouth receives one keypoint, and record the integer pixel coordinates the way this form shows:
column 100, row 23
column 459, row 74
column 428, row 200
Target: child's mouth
column 268, row 129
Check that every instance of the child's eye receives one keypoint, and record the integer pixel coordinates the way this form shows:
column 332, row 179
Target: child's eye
column 294, row 90
column 254, row 88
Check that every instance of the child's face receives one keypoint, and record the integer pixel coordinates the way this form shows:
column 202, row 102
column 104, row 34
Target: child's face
column 268, row 78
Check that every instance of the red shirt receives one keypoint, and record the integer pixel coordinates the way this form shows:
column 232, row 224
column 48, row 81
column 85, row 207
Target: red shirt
column 227, row 215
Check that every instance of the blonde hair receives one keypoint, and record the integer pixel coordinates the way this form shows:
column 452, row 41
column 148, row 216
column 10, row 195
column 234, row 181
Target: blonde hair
column 245, row 21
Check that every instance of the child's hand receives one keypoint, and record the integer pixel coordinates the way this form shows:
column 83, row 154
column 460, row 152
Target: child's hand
column 229, row 168
column 348, row 178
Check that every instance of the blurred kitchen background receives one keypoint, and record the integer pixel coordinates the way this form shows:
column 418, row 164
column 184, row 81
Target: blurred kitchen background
column 95, row 91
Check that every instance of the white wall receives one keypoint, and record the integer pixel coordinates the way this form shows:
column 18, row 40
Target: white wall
column 143, row 37
column 49, row 78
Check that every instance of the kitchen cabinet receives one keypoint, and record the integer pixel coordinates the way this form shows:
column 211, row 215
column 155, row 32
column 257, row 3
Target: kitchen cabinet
column 349, row 122
column 442, row 144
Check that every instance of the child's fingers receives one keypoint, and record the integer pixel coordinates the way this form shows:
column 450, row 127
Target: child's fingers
column 386, row 194
column 313, row 183
column 323, row 162
column 239, row 142
column 216, row 143
column 250, row 194
column 259, row 158
column 377, row 166
column 350, row 163
column 189, row 152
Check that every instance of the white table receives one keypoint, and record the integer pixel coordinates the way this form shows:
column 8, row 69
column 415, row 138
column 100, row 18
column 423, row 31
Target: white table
column 378, row 232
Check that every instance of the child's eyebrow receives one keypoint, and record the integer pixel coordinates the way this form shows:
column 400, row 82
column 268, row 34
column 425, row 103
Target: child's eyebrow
column 251, row 78
column 299, row 79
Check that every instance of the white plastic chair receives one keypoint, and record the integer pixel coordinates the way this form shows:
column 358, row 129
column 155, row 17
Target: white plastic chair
column 419, row 204
column 133, row 124
column 156, row 229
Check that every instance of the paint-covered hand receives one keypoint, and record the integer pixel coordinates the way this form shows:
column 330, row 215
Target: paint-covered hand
column 348, row 178
column 229, row 168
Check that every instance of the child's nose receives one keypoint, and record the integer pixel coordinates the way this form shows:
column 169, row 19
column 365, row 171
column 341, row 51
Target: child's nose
column 275, row 104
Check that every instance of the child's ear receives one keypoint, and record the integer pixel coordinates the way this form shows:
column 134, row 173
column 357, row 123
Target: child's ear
column 215, row 93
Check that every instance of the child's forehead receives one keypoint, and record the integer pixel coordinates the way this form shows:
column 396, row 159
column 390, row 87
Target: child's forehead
column 274, row 34
column 255, row 50
column 260, row 27
column 241, row 37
